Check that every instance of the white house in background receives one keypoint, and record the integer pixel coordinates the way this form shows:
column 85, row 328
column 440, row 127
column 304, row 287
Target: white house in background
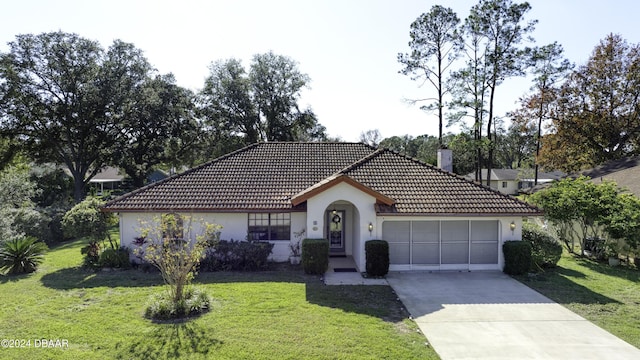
column 347, row 193
column 514, row 181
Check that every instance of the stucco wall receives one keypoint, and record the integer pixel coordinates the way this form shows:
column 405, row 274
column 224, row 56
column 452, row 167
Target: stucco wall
column 234, row 227
column 363, row 213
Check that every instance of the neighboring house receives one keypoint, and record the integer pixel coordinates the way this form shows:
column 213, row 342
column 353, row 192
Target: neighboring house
column 345, row 192
column 109, row 176
column 514, row 181
column 624, row 172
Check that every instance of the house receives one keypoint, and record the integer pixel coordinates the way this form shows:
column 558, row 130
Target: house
column 514, row 181
column 624, row 172
column 345, row 192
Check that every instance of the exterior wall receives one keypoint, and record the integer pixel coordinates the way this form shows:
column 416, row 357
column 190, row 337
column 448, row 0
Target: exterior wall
column 511, row 189
column 234, row 227
column 362, row 214
column 504, row 234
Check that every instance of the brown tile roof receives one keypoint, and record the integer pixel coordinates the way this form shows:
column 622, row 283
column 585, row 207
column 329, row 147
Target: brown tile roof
column 267, row 176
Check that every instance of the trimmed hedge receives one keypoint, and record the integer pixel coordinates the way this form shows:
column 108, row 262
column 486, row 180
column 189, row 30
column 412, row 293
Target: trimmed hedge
column 517, row 257
column 237, row 256
column 545, row 249
column 315, row 256
column 377, row 254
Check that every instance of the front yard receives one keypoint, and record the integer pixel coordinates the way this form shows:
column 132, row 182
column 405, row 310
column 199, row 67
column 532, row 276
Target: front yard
column 264, row 315
column 607, row 296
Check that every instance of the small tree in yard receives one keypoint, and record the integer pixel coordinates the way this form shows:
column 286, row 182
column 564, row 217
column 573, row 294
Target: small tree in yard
column 170, row 244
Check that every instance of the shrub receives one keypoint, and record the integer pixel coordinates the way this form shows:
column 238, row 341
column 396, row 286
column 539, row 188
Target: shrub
column 161, row 307
column 237, row 256
column 21, row 255
column 517, row 257
column 91, row 254
column 114, row 258
column 545, row 249
column 377, row 254
column 86, row 219
column 315, row 256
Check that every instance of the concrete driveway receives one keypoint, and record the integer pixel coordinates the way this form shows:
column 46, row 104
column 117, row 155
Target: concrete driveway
column 488, row 315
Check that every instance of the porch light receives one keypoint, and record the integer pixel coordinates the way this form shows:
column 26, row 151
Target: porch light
column 512, row 226
column 370, row 228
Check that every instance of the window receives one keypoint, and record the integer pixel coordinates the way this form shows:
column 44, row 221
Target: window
column 504, row 184
column 172, row 227
column 269, row 226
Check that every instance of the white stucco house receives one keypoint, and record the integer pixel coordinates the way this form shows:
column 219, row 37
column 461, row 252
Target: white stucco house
column 514, row 181
column 347, row 193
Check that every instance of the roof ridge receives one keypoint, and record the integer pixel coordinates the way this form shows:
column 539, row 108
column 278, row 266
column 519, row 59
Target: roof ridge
column 188, row 171
column 365, row 159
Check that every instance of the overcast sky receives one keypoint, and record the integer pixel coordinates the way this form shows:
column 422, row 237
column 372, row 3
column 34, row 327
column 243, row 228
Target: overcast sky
column 348, row 47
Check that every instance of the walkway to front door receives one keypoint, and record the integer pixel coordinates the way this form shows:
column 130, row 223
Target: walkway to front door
column 345, row 277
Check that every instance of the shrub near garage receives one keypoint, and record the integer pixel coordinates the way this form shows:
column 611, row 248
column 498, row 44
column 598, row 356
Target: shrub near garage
column 517, row 257
column 377, row 257
column 545, row 249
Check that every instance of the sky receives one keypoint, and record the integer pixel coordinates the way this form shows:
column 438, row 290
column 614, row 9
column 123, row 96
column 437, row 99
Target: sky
column 348, row 48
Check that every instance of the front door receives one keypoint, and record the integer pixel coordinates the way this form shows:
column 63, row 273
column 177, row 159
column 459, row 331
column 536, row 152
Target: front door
column 335, row 230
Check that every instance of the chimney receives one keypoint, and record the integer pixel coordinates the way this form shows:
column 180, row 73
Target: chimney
column 445, row 159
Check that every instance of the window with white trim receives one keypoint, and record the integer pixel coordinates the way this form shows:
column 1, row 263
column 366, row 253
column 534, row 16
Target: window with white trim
column 269, row 226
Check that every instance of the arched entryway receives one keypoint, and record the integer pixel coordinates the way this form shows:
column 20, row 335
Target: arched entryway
column 342, row 228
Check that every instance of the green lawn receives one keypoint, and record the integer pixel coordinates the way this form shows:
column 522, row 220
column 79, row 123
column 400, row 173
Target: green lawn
column 607, row 296
column 267, row 315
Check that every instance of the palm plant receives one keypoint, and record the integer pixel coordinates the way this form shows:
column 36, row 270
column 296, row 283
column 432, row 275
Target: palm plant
column 21, row 255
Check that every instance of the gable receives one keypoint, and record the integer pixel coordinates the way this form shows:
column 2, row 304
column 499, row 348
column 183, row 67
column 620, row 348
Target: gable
column 334, row 180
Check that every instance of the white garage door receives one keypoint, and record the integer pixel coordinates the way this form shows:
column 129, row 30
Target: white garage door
column 442, row 243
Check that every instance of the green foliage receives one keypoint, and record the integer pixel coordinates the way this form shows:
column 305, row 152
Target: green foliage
column 21, row 255
column 177, row 258
column 545, row 249
column 114, row 258
column 517, row 257
column 243, row 107
column 625, row 222
column 593, row 121
column 237, row 256
column 91, row 254
column 86, row 219
column 377, row 257
column 578, row 208
column 195, row 302
column 434, row 48
column 315, row 256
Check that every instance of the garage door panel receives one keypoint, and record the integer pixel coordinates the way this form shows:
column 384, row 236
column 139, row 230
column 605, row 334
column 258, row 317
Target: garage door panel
column 485, row 252
column 455, row 230
column 399, row 253
column 398, row 235
column 455, row 252
column 425, row 231
column 426, row 253
column 484, row 230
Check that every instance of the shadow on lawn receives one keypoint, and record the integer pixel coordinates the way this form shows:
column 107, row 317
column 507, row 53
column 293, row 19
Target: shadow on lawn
column 78, row 278
column 170, row 341
column 378, row 301
column 557, row 285
column 627, row 273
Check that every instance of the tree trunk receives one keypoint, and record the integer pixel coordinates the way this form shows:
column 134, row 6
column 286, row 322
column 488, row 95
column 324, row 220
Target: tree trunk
column 78, row 187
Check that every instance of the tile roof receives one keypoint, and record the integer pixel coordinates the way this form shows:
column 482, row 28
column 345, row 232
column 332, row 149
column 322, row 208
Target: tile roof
column 266, row 176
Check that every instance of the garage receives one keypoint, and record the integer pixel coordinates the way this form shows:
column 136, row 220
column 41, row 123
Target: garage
column 442, row 244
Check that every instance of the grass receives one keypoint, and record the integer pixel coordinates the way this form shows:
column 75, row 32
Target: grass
column 607, row 296
column 266, row 315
